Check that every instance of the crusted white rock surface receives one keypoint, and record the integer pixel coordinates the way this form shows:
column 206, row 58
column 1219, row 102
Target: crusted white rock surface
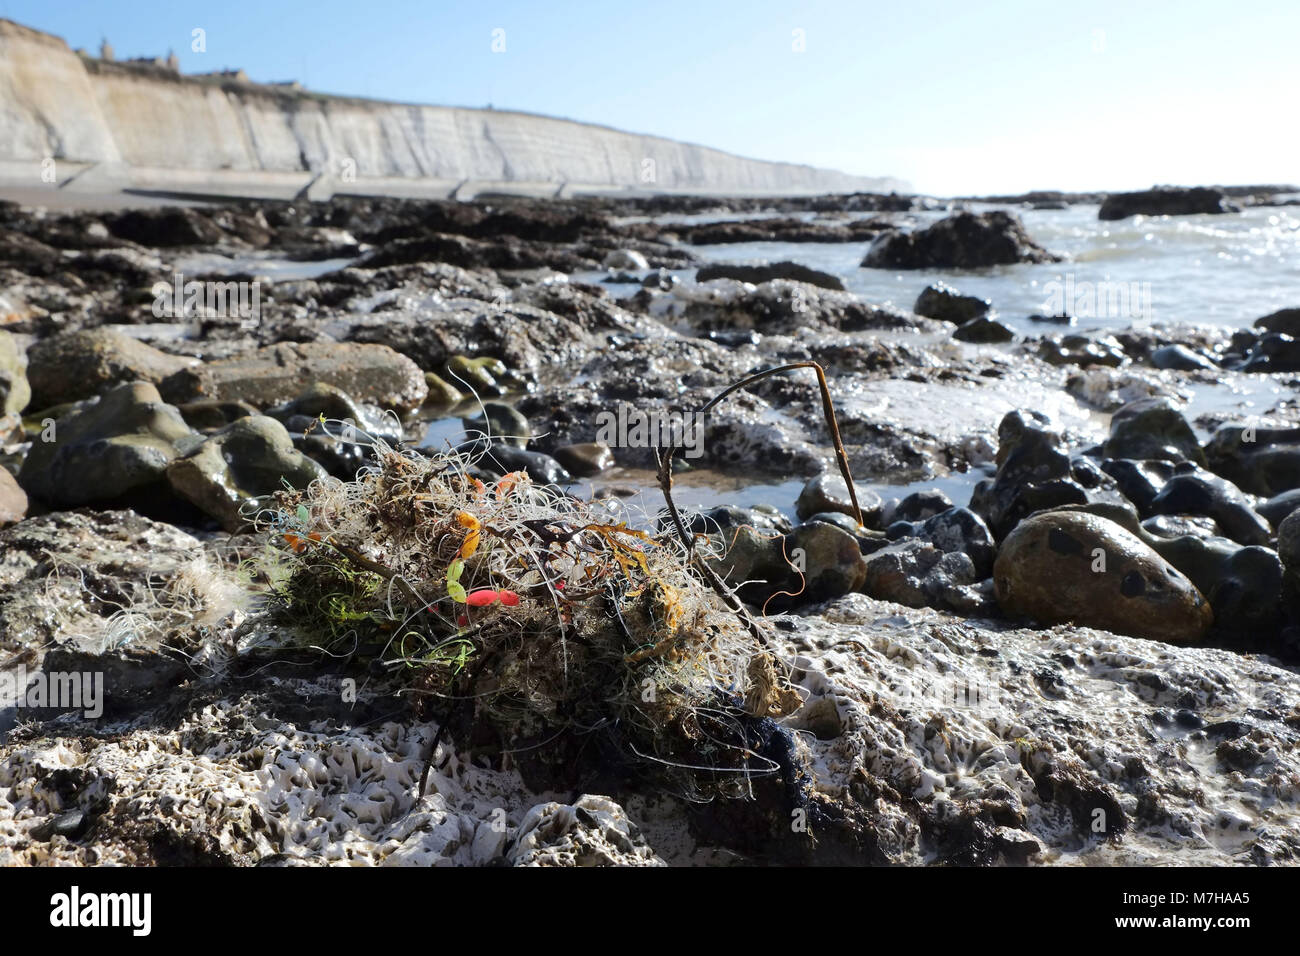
column 230, row 786
column 942, row 740
column 1189, row 754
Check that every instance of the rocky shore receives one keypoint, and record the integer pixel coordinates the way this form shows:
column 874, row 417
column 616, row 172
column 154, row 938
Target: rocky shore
column 1085, row 655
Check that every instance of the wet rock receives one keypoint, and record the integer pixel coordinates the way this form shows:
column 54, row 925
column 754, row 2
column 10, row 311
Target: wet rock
column 502, row 252
column 251, row 457
column 1279, row 507
column 344, row 441
column 627, row 259
column 106, row 448
column 320, row 399
column 1176, row 526
column 1139, row 481
column 766, row 566
column 783, row 307
column 868, row 539
column 1081, row 351
column 502, row 423
column 832, row 561
column 918, row 506
column 758, row 273
column 726, row 517
column 278, row 373
column 940, row 301
column 748, row 558
column 342, row 449
column 1060, row 567
column 779, row 230
column 956, row 529
column 1152, row 428
column 530, row 328
column 69, row 825
column 828, row 492
column 484, row 376
column 919, row 573
column 13, row 500
column 1246, row 597
column 1259, row 461
column 81, row 364
column 1288, row 549
column 1165, row 201
column 1181, row 358
column 441, row 392
column 333, row 429
column 1242, row 583
column 586, row 459
column 15, row 392
column 29, row 255
column 1195, row 491
column 501, row 459
column 1109, row 389
column 1275, row 352
column 164, row 228
column 964, row 241
column 660, row 279
column 1286, row 321
column 1240, row 344
column 1034, row 474
column 208, row 415
column 984, row 331
column 1121, row 512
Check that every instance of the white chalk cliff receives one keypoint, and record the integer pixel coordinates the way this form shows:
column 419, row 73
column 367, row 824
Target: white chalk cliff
column 132, row 124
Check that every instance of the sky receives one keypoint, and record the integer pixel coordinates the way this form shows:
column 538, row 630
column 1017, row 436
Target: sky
column 959, row 97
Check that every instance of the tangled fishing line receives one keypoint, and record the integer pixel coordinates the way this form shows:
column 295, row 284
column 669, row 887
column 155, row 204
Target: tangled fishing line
column 520, row 613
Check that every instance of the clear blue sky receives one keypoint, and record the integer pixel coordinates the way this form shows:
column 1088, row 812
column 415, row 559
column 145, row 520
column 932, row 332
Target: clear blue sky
column 957, row 96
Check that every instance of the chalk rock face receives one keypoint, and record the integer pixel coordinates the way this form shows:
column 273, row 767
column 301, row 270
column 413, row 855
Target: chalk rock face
column 594, row 831
column 1059, row 567
column 944, row 741
column 1009, row 741
column 79, row 108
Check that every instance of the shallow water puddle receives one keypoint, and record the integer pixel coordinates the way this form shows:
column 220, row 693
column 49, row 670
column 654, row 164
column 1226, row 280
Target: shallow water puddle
column 275, row 268
column 704, row 489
